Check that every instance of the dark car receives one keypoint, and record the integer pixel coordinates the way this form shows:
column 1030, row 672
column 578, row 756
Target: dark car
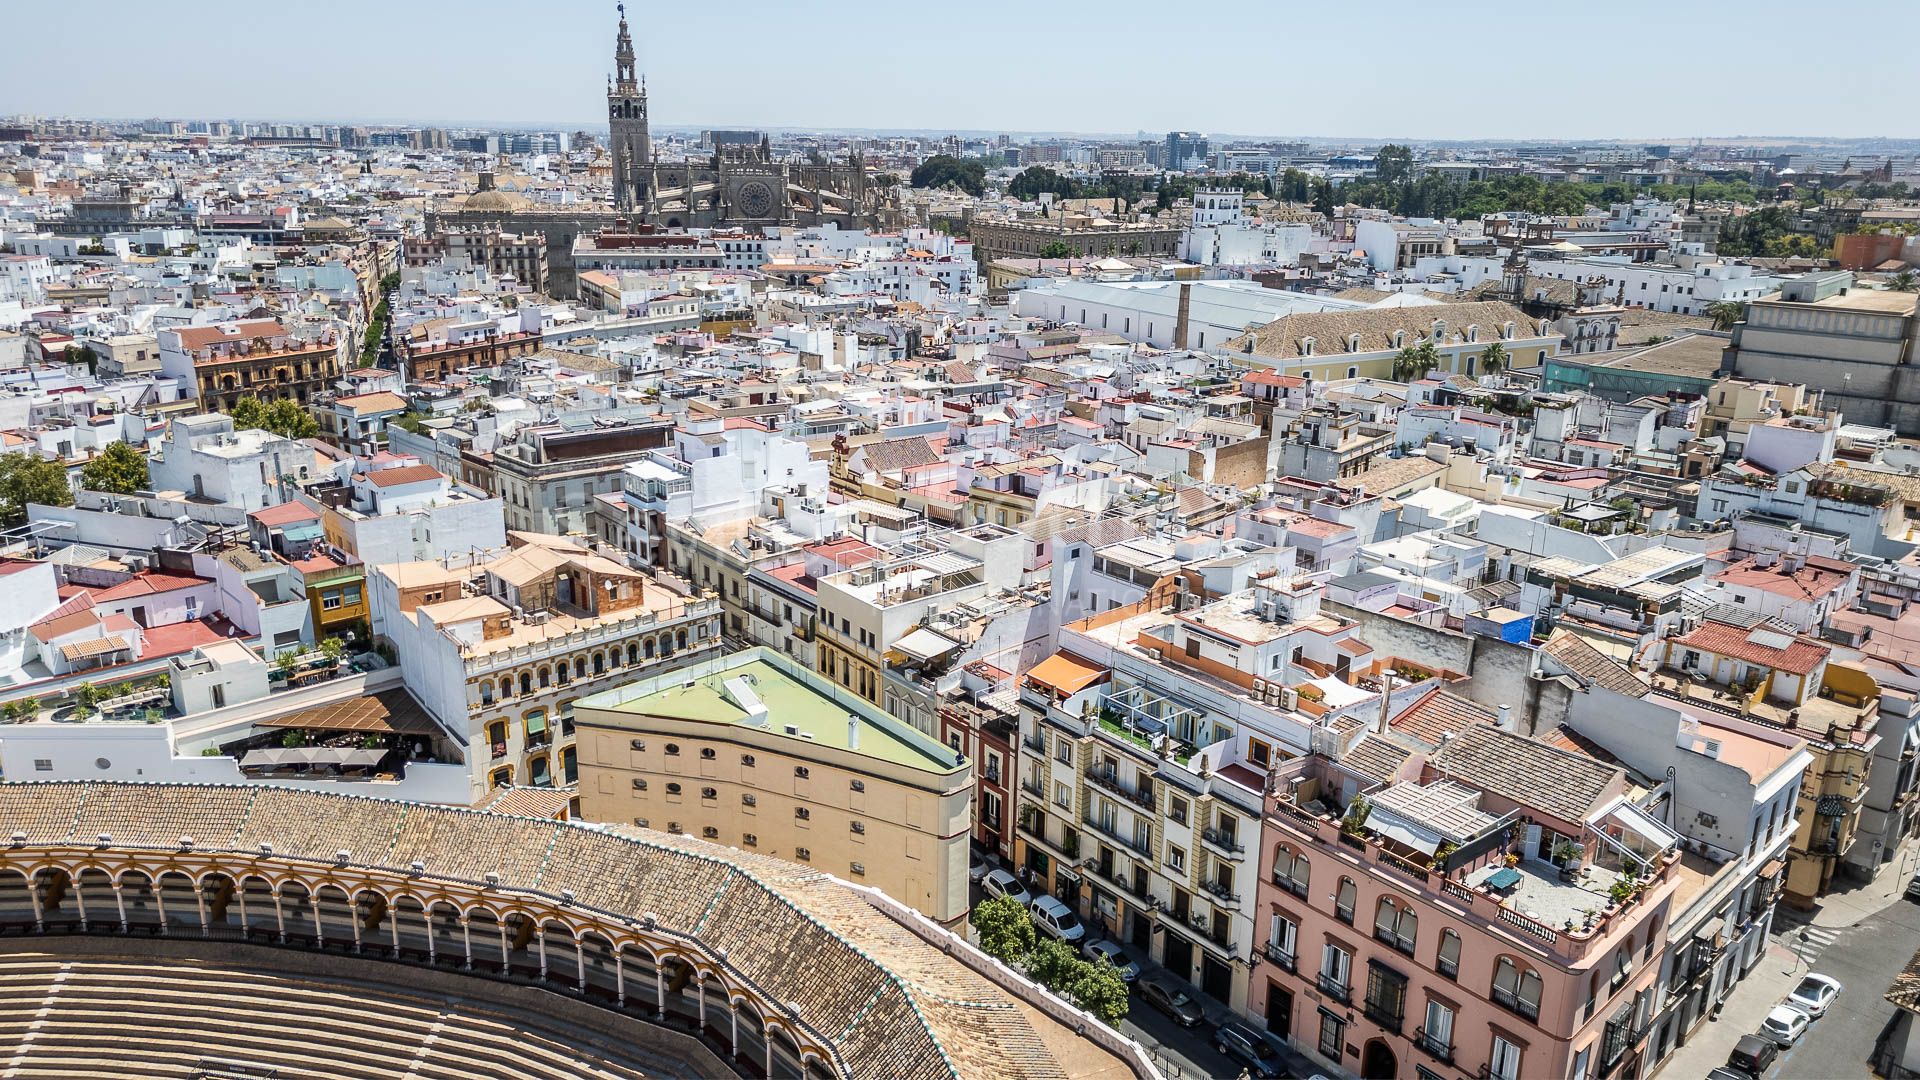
column 1249, row 1048
column 1753, row 1055
column 1175, row 1002
column 1724, row 1073
column 1913, row 888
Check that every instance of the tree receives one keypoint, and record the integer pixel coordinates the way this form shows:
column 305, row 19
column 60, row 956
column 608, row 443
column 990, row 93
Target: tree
column 119, row 469
column 1725, row 313
column 1415, row 361
column 1053, row 964
column 945, row 170
column 1494, row 358
column 1393, row 164
column 1005, row 929
column 1037, row 179
column 1057, row 249
column 26, row 478
column 1904, row 282
column 1100, row 990
column 282, row 417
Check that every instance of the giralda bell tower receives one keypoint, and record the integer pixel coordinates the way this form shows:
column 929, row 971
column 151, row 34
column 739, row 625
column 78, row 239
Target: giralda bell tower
column 627, row 122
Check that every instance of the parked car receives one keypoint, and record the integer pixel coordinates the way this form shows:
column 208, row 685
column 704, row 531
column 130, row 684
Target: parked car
column 1249, row 1048
column 1785, row 1024
column 1175, row 1002
column 978, row 868
column 1913, row 888
column 1722, row 1072
column 1753, row 1055
column 1002, row 883
column 1814, row 994
column 1056, row 919
column 1112, row 953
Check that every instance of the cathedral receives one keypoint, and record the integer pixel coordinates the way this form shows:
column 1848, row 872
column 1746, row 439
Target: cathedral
column 738, row 186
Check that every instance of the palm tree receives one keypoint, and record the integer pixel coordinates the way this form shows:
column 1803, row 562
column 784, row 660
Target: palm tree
column 1415, row 361
column 1493, row 359
column 1904, row 282
column 1725, row 313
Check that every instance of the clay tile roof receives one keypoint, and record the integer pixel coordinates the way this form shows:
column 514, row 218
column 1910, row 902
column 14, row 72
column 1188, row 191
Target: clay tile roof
column 895, row 455
column 1905, row 991
column 1559, row 782
column 1573, row 653
column 1330, row 330
column 1442, row 713
column 406, row 474
column 1755, row 645
column 1377, row 759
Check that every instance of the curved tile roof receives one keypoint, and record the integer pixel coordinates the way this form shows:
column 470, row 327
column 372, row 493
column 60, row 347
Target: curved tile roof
column 893, row 1004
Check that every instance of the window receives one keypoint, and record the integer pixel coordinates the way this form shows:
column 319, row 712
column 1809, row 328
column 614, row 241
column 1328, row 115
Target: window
column 1332, row 1036
column 746, row 761
column 1344, row 900
column 859, row 869
column 749, row 840
column 1335, row 966
column 41, row 764
column 1504, row 1064
column 706, row 753
column 859, row 828
column 1516, row 990
column 1282, row 936
column 1259, row 752
column 801, row 813
column 1290, row 870
column 802, row 854
column 1176, row 858
column 857, row 785
column 1177, row 809
column 1062, row 751
column 1447, row 962
column 801, row 772
column 709, row 793
column 673, row 749
column 1581, row 1062
column 1436, row 1032
column 710, row 832
column 639, row 784
column 1061, row 795
column 673, row 789
column 1395, row 925
column 1386, row 1000
column 749, row 800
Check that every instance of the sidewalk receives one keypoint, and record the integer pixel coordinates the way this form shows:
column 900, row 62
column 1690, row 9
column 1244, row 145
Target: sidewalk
column 1850, row 906
column 1777, row 972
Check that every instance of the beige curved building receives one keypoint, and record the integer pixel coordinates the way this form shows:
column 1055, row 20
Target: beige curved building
column 778, row 968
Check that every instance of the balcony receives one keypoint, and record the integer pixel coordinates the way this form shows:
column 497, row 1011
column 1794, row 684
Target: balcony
column 1034, row 743
column 1112, row 834
column 1225, row 844
column 1297, row 888
column 1335, row 989
column 1438, row 1049
column 1221, row 891
column 1507, row 1000
column 1277, row 956
column 1034, row 788
column 1106, row 781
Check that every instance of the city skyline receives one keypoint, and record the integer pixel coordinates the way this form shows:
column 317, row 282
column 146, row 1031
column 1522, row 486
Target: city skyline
column 1480, row 86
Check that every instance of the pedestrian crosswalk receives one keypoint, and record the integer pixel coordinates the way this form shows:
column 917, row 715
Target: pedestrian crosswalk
column 1806, row 940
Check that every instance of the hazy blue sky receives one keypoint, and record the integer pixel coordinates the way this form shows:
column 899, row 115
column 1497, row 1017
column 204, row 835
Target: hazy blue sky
column 1473, row 68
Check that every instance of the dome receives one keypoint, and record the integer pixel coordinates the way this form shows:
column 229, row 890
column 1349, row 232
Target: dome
column 495, row 199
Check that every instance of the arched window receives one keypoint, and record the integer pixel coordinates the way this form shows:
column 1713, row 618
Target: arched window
column 1506, row 331
column 1396, row 925
column 709, row 793
column 1345, row 899
column 1515, row 988
column 1473, row 333
column 1353, row 342
column 526, row 683
column 1399, row 339
column 1447, row 960
column 486, row 692
column 506, row 687
column 706, row 753
column 1306, row 346
column 1353, row 372
column 546, row 678
column 1291, row 870
column 673, row 749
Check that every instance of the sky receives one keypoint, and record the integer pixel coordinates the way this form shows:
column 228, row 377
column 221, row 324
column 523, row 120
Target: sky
column 1466, row 69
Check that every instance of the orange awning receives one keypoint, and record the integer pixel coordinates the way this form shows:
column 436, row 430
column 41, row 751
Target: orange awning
column 1065, row 673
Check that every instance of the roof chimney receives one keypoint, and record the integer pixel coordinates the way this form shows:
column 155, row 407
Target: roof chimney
column 1506, row 718
column 853, row 731
column 1181, row 318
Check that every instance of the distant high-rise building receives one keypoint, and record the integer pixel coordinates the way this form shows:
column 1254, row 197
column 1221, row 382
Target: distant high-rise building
column 730, row 137
column 1184, row 146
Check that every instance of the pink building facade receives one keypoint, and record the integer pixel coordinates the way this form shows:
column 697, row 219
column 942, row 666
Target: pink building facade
column 1395, row 940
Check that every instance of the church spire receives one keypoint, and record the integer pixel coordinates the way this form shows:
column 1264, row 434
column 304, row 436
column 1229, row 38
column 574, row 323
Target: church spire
column 623, row 55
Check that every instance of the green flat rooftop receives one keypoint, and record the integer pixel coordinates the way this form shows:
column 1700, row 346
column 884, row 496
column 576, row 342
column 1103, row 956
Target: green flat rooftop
column 794, row 698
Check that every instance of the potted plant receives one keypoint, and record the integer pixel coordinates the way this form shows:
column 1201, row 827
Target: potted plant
column 1568, row 854
column 1442, row 853
column 1513, row 859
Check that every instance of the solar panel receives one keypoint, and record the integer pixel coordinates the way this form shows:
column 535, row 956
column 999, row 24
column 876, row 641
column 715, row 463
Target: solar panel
column 1770, row 639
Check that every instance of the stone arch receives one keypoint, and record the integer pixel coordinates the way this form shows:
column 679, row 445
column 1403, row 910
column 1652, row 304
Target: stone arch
column 141, row 899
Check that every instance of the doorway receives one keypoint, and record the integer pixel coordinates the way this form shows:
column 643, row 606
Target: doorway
column 1279, row 1010
column 1178, row 957
column 1377, row 1061
column 1216, row 979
